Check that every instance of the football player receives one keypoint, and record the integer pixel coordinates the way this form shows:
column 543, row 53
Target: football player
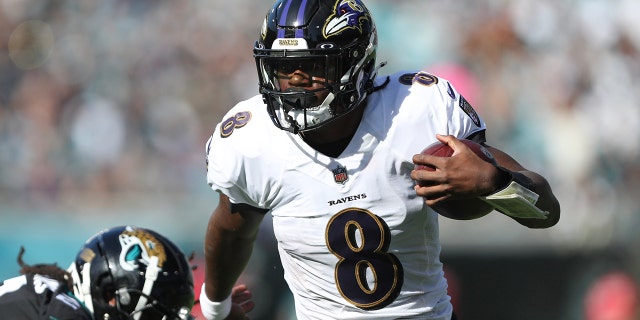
column 328, row 149
column 120, row 273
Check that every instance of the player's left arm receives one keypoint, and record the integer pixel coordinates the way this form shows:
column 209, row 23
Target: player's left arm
column 510, row 171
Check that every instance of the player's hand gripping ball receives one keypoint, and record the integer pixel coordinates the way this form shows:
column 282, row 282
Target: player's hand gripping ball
column 459, row 209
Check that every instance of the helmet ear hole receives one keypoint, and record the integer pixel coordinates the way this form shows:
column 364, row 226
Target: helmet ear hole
column 109, row 295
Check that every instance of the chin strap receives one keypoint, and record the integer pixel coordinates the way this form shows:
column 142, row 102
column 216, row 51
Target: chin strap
column 151, row 275
column 305, row 117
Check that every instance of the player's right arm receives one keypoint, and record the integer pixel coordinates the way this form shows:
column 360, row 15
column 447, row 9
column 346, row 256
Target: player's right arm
column 229, row 240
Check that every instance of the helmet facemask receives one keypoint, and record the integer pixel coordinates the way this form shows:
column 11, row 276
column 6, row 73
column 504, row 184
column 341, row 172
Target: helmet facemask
column 337, row 87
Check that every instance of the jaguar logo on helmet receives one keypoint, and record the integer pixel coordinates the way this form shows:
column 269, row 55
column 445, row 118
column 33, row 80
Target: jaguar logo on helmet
column 138, row 246
column 348, row 14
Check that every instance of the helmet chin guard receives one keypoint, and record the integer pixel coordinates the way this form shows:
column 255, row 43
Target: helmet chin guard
column 298, row 111
column 334, row 41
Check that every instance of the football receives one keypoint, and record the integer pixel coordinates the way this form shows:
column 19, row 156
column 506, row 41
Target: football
column 459, row 209
column 440, row 149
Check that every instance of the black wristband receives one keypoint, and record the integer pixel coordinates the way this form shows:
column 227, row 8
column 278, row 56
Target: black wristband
column 518, row 177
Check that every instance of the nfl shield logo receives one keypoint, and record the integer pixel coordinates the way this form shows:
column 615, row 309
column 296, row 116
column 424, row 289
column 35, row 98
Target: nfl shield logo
column 340, row 174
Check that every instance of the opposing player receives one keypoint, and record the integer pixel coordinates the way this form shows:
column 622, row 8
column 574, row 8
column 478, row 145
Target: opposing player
column 328, row 149
column 120, row 273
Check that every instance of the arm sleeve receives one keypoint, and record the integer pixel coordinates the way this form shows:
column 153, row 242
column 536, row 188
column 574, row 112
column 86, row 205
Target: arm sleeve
column 239, row 163
column 464, row 121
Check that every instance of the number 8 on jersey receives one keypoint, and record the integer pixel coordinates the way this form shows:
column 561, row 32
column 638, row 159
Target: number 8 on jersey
column 366, row 274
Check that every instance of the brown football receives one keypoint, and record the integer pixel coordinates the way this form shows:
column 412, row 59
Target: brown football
column 459, row 209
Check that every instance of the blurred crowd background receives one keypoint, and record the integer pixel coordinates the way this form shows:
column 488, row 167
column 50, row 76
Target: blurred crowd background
column 105, row 107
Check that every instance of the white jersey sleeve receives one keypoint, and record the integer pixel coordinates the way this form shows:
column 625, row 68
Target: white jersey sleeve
column 235, row 158
column 428, row 105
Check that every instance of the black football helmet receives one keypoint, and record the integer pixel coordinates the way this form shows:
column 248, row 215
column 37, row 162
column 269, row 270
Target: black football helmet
column 133, row 273
column 335, row 41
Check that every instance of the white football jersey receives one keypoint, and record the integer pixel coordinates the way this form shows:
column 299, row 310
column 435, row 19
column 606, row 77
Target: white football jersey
column 355, row 240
